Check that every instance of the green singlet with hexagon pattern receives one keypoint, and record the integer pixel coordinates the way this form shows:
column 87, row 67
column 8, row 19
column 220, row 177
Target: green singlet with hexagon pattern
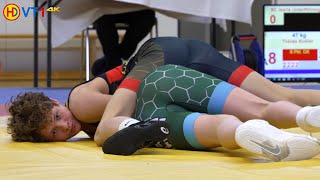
column 173, row 88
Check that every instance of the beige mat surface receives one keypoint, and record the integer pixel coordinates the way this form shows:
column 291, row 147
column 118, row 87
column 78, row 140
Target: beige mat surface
column 81, row 159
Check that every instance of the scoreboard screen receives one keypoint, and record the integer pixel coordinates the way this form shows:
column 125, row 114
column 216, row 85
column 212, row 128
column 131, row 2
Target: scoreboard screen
column 291, row 42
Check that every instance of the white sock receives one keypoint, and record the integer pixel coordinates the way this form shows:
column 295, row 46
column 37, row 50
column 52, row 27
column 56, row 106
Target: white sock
column 126, row 123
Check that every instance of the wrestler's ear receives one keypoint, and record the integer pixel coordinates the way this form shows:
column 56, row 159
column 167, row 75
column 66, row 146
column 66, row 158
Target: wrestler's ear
column 55, row 101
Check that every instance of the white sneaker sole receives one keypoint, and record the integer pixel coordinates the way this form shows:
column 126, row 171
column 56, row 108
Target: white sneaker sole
column 259, row 137
column 308, row 118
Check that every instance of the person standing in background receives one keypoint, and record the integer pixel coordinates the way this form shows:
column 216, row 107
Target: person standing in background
column 139, row 23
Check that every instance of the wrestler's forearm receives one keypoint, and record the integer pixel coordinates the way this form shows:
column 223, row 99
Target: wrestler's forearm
column 122, row 103
column 106, row 129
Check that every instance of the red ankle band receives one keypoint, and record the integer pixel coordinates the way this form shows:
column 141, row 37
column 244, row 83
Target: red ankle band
column 239, row 75
column 129, row 83
column 114, row 74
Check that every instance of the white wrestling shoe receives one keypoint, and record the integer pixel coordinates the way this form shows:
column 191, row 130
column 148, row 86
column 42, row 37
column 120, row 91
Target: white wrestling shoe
column 259, row 137
column 308, row 118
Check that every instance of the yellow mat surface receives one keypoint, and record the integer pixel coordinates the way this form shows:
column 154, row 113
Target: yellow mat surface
column 80, row 158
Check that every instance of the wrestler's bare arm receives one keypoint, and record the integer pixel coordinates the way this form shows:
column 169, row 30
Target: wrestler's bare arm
column 122, row 103
column 88, row 101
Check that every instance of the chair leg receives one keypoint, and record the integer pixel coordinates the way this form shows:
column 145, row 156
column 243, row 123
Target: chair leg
column 87, row 54
column 151, row 33
column 156, row 30
column 82, row 56
column 156, row 26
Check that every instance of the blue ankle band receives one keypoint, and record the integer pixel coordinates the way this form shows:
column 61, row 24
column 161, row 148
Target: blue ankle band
column 188, row 130
column 219, row 97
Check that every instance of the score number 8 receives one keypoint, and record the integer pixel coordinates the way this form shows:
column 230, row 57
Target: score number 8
column 272, row 58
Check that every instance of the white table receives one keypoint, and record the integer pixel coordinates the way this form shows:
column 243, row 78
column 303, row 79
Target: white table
column 76, row 15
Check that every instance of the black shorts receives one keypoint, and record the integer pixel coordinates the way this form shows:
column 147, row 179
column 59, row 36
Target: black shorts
column 194, row 54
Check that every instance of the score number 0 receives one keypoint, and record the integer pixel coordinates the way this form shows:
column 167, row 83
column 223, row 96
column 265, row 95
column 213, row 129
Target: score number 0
column 272, row 19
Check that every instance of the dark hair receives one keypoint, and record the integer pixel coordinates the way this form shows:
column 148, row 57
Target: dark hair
column 30, row 112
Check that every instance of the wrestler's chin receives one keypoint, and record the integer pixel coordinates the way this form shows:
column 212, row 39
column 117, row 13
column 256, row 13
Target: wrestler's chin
column 76, row 128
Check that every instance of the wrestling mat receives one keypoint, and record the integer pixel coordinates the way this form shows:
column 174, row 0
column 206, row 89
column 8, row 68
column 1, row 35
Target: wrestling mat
column 80, row 158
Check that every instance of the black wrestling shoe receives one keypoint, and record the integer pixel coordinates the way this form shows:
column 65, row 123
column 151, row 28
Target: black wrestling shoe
column 130, row 139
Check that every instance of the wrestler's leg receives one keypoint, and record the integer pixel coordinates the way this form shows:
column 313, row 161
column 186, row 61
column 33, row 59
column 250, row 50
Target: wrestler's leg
column 251, row 81
column 195, row 131
column 264, row 88
column 228, row 99
column 203, row 93
column 254, row 135
column 202, row 57
column 245, row 106
column 212, row 131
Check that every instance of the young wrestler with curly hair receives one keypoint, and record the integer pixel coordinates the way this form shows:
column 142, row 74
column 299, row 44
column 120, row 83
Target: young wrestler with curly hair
column 91, row 108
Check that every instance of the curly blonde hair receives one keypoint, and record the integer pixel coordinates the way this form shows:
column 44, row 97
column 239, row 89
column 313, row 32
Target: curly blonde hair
column 30, row 112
